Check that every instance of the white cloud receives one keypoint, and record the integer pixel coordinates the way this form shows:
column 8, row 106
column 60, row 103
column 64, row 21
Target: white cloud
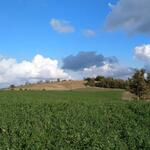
column 143, row 52
column 108, row 70
column 131, row 16
column 39, row 68
column 89, row 33
column 61, row 26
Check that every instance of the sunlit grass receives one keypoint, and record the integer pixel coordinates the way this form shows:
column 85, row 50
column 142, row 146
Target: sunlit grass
column 72, row 120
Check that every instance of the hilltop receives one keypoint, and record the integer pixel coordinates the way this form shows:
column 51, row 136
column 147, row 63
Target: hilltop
column 62, row 85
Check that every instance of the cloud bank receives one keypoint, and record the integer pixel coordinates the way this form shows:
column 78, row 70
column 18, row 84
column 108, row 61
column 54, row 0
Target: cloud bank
column 91, row 64
column 84, row 64
column 39, row 68
column 109, row 70
column 130, row 15
column 61, row 26
column 85, row 60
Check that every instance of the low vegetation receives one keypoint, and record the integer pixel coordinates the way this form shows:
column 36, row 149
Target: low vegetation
column 138, row 84
column 71, row 120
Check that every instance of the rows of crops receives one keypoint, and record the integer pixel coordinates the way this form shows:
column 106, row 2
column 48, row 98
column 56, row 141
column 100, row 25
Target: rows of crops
column 72, row 120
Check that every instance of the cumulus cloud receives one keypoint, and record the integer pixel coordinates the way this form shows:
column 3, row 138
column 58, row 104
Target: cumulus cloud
column 85, row 60
column 61, row 26
column 89, row 33
column 109, row 70
column 130, row 15
column 39, row 68
column 143, row 52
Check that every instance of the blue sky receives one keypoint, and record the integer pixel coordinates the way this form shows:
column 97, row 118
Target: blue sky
column 26, row 30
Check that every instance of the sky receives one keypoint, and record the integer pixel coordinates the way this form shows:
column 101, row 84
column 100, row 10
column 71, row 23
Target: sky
column 72, row 39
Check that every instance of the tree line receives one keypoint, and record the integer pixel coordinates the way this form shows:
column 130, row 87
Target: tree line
column 107, row 82
column 138, row 84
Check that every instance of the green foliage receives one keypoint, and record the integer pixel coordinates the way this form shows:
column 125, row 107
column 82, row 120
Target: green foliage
column 12, row 87
column 99, row 78
column 107, row 82
column 72, row 120
column 90, row 81
column 137, row 84
column 148, row 80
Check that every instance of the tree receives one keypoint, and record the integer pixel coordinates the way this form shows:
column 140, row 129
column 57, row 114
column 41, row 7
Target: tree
column 90, row 81
column 58, row 80
column 148, row 80
column 99, row 78
column 12, row 86
column 137, row 84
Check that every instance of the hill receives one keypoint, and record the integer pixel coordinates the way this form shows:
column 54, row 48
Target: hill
column 62, row 85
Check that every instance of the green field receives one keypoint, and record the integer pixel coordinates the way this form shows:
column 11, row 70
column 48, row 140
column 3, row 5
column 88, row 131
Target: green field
column 71, row 120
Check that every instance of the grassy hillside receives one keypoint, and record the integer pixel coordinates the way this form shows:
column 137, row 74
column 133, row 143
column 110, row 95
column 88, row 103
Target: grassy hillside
column 62, row 85
column 70, row 120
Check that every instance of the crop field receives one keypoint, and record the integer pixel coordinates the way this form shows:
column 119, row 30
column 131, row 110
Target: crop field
column 71, row 120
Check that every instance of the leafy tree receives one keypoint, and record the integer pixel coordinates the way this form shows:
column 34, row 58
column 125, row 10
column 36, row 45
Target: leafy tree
column 148, row 80
column 87, row 79
column 90, row 81
column 58, row 80
column 99, row 78
column 12, row 86
column 107, row 82
column 137, row 84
